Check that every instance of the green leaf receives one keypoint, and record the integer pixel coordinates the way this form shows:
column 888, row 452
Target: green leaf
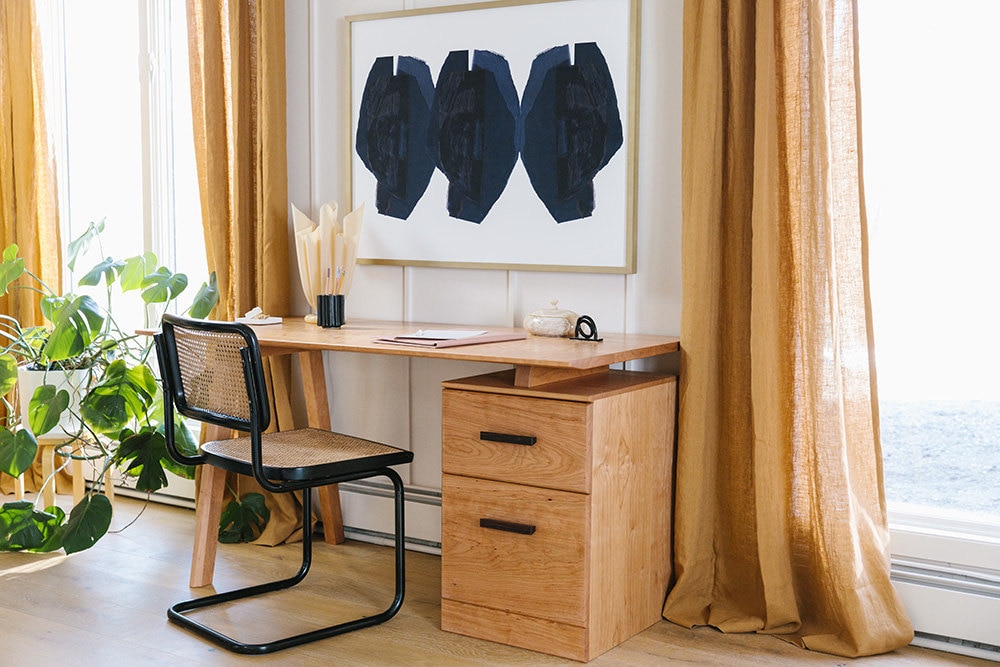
column 88, row 522
column 11, row 268
column 243, row 521
column 46, row 407
column 185, row 441
column 136, row 269
column 79, row 245
column 54, row 530
column 123, row 394
column 17, row 451
column 109, row 269
column 206, row 298
column 163, row 285
column 76, row 325
column 23, row 527
column 8, row 373
column 141, row 454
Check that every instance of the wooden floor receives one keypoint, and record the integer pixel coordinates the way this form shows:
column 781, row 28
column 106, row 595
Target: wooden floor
column 108, row 605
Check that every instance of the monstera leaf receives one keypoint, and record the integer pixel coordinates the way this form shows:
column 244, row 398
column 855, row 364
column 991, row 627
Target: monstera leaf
column 22, row 527
column 11, row 268
column 88, row 522
column 141, row 455
column 206, row 298
column 46, row 408
column 122, row 395
column 77, row 321
column 8, row 373
column 243, row 520
column 17, row 451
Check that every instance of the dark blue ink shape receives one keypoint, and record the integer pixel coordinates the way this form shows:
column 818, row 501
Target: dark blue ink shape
column 572, row 128
column 392, row 130
column 474, row 120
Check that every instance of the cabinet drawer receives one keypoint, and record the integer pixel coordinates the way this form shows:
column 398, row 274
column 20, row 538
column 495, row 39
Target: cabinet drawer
column 480, row 431
column 541, row 574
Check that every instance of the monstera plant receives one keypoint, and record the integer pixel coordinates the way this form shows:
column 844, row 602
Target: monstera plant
column 117, row 408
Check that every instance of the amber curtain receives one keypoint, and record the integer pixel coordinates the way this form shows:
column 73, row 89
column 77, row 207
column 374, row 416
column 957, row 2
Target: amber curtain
column 780, row 509
column 237, row 61
column 29, row 210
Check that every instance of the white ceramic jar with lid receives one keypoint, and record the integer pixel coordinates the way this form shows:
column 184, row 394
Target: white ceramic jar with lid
column 552, row 321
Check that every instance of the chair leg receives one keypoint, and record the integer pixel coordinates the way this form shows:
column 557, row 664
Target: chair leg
column 177, row 612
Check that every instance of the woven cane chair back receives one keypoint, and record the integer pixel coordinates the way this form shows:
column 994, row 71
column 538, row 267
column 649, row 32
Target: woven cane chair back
column 211, row 383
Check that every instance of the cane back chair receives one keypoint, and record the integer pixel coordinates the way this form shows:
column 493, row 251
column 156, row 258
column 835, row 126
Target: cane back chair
column 212, row 372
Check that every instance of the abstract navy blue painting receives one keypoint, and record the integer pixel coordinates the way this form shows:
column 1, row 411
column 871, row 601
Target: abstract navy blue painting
column 392, row 126
column 474, row 119
column 497, row 135
column 572, row 127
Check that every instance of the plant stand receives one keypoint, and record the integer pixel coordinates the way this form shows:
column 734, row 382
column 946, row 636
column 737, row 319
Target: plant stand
column 49, row 448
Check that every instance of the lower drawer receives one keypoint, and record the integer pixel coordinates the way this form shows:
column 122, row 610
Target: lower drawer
column 515, row 548
column 535, row 634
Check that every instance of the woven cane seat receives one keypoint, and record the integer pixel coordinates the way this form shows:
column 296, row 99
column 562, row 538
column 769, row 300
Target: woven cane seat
column 306, row 453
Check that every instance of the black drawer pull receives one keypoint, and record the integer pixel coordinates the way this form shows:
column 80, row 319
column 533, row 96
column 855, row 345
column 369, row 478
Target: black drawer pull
column 509, row 526
column 527, row 440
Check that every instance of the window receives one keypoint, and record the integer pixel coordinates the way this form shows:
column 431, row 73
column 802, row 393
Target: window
column 929, row 75
column 122, row 129
column 120, row 117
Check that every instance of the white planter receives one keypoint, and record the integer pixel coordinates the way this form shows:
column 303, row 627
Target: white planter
column 75, row 382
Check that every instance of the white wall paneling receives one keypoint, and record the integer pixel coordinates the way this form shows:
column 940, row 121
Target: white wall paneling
column 398, row 400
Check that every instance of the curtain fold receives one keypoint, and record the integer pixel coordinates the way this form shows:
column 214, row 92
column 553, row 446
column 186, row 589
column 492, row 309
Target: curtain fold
column 237, row 61
column 29, row 208
column 780, row 522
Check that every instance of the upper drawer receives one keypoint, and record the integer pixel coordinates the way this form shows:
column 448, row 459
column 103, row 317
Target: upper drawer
column 479, row 429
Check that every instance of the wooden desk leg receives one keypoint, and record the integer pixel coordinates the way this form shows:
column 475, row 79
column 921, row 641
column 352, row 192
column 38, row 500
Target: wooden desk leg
column 208, row 511
column 209, row 496
column 318, row 411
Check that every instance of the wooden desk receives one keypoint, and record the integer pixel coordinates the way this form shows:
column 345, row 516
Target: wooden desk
column 544, row 368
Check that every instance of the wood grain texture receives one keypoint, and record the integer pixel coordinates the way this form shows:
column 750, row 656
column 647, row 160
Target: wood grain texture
column 294, row 335
column 211, row 492
column 318, row 415
column 108, row 604
column 559, row 459
column 631, row 513
column 541, row 575
column 529, row 590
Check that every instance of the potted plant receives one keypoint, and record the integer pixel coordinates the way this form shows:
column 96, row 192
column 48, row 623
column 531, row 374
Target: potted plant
column 117, row 409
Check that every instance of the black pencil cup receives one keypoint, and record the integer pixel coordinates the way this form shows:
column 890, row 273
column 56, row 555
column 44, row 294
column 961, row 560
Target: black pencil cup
column 330, row 310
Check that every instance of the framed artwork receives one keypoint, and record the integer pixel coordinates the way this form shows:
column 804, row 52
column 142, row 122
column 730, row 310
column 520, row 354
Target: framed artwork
column 497, row 135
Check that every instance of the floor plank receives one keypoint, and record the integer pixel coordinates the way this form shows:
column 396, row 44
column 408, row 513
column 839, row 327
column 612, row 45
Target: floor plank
column 108, row 605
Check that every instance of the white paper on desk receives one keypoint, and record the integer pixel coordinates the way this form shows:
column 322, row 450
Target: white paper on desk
column 441, row 334
column 474, row 338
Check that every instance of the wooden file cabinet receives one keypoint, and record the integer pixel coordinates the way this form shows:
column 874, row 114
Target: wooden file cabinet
column 556, row 539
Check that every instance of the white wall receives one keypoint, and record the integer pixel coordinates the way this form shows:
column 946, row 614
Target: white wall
column 398, row 400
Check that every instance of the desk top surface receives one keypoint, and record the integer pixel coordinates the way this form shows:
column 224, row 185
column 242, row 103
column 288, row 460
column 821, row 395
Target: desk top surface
column 296, row 335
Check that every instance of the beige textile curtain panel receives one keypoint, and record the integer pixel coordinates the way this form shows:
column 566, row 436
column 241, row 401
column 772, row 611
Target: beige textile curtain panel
column 29, row 209
column 237, row 60
column 780, row 512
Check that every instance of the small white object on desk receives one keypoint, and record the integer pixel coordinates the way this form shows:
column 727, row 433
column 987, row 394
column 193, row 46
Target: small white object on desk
column 256, row 317
column 554, row 321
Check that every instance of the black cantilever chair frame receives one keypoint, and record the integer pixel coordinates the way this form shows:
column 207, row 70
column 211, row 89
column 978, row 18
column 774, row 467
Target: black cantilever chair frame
column 197, row 358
